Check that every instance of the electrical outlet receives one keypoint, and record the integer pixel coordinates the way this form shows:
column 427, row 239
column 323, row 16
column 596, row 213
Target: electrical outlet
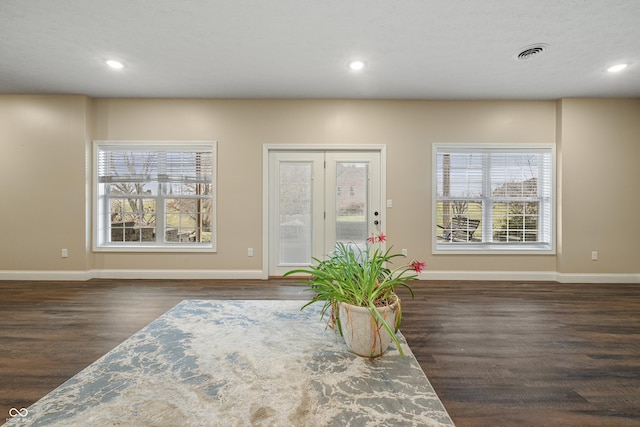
column 594, row 256
column 250, row 252
column 389, row 203
column 65, row 253
column 405, row 253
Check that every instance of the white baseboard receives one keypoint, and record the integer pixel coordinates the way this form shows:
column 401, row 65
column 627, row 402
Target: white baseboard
column 130, row 274
column 44, row 275
column 598, row 278
column 532, row 276
column 177, row 274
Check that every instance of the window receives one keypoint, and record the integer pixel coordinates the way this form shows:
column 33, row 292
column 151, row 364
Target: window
column 154, row 196
column 493, row 198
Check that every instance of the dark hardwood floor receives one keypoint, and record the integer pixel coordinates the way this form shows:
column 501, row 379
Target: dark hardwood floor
column 497, row 354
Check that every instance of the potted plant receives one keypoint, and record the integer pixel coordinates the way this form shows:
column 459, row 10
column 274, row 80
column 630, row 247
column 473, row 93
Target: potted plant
column 355, row 281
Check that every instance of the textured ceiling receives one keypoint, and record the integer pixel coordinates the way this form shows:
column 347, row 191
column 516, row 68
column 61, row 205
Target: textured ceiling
column 413, row 49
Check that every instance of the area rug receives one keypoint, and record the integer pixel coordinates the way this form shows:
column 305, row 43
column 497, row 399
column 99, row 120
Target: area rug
column 241, row 363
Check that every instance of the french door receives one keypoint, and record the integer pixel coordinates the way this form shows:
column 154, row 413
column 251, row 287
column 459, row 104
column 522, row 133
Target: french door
column 317, row 198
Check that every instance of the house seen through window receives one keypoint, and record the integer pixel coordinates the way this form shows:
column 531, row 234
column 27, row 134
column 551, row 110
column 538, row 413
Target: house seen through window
column 154, row 196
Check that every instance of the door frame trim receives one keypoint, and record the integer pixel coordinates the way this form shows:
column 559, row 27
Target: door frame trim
column 268, row 148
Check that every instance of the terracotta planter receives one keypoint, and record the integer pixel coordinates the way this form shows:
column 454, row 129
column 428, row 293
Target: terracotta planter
column 365, row 335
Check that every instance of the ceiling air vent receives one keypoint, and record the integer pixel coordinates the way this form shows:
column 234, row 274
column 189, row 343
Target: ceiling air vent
column 531, row 52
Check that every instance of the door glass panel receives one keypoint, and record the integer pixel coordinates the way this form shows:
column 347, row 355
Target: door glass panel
column 295, row 179
column 351, row 202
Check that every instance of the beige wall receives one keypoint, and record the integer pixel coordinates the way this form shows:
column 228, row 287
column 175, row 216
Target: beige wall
column 53, row 207
column 599, row 142
column 42, row 182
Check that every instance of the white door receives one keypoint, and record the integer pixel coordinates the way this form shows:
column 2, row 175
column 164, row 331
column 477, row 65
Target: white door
column 318, row 198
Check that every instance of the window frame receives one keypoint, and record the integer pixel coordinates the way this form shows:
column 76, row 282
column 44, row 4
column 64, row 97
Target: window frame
column 100, row 202
column 486, row 247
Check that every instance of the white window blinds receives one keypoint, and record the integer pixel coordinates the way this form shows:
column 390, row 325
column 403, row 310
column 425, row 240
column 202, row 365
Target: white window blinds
column 157, row 164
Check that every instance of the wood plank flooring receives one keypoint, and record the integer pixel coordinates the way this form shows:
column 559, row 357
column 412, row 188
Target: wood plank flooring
column 497, row 354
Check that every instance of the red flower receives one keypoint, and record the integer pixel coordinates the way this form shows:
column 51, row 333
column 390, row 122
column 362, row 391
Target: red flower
column 418, row 266
column 377, row 239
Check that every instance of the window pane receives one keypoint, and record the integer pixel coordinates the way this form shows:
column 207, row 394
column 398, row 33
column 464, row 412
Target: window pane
column 514, row 175
column 137, row 189
column 351, row 205
column 187, row 166
column 132, row 220
column 188, row 220
column 129, row 166
column 138, row 211
column 515, row 222
column 295, row 181
column 192, row 189
column 459, row 175
column 459, row 220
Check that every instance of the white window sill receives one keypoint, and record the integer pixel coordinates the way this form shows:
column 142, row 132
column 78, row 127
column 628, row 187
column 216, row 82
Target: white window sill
column 489, row 249
column 150, row 248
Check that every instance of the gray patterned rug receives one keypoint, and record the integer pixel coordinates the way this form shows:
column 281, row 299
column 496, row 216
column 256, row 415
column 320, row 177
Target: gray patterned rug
column 241, row 363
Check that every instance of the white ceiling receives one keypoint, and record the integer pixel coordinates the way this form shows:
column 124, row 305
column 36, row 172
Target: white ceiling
column 413, row 49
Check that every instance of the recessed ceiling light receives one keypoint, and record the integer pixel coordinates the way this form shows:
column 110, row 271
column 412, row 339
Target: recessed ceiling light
column 115, row 64
column 617, row 68
column 356, row 65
